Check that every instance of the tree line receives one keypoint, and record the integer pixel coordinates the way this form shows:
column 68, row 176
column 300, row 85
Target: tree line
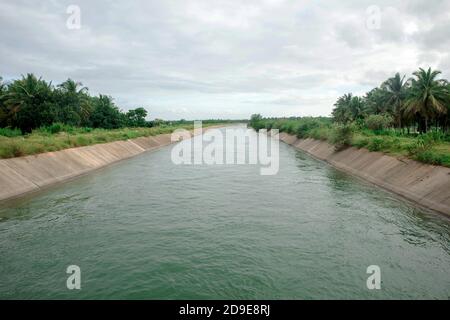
column 30, row 102
column 418, row 103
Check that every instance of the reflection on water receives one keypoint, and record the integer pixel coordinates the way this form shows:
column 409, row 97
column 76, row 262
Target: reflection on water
column 145, row 228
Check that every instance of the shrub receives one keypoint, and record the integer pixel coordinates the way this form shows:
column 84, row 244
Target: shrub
column 54, row 128
column 289, row 127
column 380, row 143
column 361, row 142
column 419, row 145
column 57, row 127
column 7, row 132
column 342, row 136
column 377, row 122
column 305, row 127
column 256, row 122
column 82, row 141
column 430, row 157
column 269, row 125
column 321, row 133
column 434, row 136
column 11, row 149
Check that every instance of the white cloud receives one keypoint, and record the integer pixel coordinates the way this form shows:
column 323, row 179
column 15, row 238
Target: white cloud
column 211, row 59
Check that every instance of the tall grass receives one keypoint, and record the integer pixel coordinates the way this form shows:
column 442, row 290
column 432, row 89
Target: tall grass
column 7, row 132
column 432, row 147
column 58, row 137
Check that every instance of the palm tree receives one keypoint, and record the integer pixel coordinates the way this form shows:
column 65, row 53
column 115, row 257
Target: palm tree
column 75, row 106
column 29, row 103
column 356, row 108
column 375, row 101
column 105, row 113
column 70, row 86
column 395, row 93
column 341, row 112
column 427, row 97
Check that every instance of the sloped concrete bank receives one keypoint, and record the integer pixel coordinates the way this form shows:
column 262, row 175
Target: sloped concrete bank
column 19, row 176
column 427, row 185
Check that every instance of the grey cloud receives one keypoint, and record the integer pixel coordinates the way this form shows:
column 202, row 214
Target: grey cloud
column 221, row 58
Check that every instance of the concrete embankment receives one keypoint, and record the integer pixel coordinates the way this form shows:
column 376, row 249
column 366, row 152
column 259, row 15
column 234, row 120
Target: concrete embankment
column 427, row 185
column 22, row 175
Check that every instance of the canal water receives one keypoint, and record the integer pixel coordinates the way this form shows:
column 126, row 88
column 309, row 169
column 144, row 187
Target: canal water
column 146, row 228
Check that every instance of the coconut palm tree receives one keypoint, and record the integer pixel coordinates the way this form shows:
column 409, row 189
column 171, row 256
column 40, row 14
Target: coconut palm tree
column 427, row 97
column 375, row 101
column 74, row 103
column 341, row 112
column 356, row 108
column 71, row 86
column 105, row 113
column 395, row 90
column 29, row 102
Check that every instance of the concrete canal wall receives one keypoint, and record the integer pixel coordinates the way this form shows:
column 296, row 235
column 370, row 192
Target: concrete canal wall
column 427, row 185
column 22, row 175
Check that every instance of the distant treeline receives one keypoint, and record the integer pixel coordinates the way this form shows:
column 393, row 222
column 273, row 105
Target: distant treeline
column 30, row 102
column 419, row 103
column 409, row 118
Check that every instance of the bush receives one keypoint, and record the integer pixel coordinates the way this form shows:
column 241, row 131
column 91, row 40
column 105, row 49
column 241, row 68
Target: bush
column 289, row 127
column 269, row 125
column 256, row 122
column 54, row 128
column 305, row 127
column 82, row 141
column 382, row 143
column 57, row 127
column 430, row 157
column 361, row 142
column 376, row 144
column 7, row 132
column 377, row 122
column 321, row 133
column 420, row 145
column 434, row 136
column 342, row 136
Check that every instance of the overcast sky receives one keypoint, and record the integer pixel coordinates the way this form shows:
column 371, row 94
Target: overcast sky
column 224, row 59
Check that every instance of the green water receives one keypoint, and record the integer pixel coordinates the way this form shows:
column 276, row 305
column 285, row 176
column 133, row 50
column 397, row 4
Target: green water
column 148, row 229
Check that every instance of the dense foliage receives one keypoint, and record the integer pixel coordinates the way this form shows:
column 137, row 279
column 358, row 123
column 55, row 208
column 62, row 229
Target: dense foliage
column 432, row 147
column 30, row 102
column 408, row 118
column 418, row 104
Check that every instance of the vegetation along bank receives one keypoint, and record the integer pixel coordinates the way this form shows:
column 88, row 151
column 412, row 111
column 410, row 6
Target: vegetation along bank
column 396, row 136
column 401, row 118
column 37, row 117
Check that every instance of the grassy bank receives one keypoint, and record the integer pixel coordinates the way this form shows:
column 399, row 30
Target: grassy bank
column 59, row 137
column 432, row 147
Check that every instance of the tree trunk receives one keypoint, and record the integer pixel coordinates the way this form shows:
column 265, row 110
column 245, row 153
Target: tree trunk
column 422, row 125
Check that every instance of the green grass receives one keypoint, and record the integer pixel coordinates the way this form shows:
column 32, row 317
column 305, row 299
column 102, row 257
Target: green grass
column 7, row 132
column 435, row 152
column 59, row 137
column 432, row 148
